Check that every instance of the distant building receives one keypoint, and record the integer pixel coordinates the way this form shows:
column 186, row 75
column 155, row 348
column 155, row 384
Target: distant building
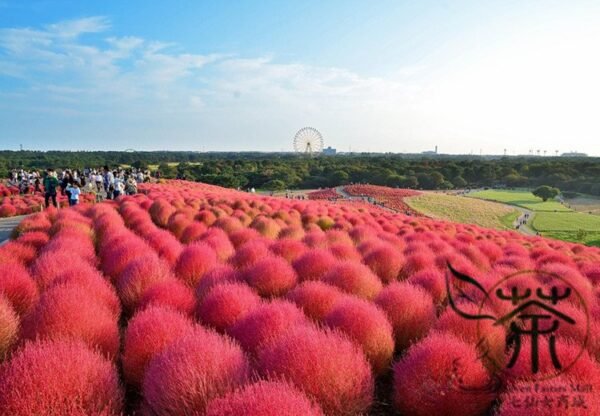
column 574, row 154
column 431, row 152
column 329, row 151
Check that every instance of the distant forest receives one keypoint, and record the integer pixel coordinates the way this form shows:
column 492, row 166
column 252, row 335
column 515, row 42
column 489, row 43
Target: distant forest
column 275, row 171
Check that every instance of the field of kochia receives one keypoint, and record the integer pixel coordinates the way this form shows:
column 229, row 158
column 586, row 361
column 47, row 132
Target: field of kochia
column 191, row 299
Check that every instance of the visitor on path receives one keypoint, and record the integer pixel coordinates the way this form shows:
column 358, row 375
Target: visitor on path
column 74, row 193
column 50, row 186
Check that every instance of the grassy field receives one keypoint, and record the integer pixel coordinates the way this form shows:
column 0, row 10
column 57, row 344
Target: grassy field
column 585, row 203
column 523, row 199
column 465, row 210
column 551, row 219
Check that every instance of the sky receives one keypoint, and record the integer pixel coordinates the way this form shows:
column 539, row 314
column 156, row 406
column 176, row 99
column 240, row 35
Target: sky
column 379, row 76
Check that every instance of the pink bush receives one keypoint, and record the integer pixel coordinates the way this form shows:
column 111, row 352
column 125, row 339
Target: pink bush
column 441, row 375
column 249, row 253
column 69, row 312
column 315, row 298
column 265, row 323
column 59, row 378
column 195, row 260
column 18, row 287
column 189, row 373
column 313, row 264
column 288, row 248
column 224, row 304
column 368, row 326
column 220, row 274
column 264, row 398
column 193, row 232
column 270, row 276
column 9, row 327
column 326, row 366
column 433, row 281
column 141, row 274
column 386, row 262
column 170, row 293
column 409, row 309
column 148, row 333
column 354, row 278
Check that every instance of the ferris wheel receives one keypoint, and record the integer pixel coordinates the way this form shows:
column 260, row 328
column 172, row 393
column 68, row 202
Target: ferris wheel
column 308, row 140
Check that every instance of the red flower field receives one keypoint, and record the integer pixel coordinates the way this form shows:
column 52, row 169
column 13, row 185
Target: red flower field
column 191, row 299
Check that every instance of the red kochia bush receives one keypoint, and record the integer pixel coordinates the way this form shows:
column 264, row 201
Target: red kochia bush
column 59, row 378
column 141, row 274
column 354, row 278
column 193, row 232
column 271, row 276
column 18, row 287
column 265, row 323
column 313, row 264
column 368, row 326
column 249, row 253
column 264, row 398
column 96, row 285
column 69, row 311
column 170, row 293
column 225, row 304
column 288, row 249
column 147, row 334
column 315, row 298
column 189, row 373
column 9, row 327
column 386, row 262
column 195, row 260
column 433, row 281
column 441, row 375
column 325, row 365
column 220, row 274
column 409, row 309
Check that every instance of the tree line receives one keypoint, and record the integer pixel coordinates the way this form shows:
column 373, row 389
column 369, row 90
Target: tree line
column 274, row 171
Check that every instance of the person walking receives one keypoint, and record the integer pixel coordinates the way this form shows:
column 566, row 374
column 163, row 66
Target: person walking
column 50, row 186
column 74, row 192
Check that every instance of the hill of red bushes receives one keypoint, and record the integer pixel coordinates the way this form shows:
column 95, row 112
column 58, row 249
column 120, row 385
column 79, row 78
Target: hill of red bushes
column 190, row 299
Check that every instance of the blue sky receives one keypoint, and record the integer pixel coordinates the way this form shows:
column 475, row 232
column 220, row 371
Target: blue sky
column 401, row 76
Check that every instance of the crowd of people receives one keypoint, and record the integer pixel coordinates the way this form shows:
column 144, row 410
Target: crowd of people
column 105, row 183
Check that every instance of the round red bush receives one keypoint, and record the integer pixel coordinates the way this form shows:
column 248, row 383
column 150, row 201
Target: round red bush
column 264, row 398
column 68, row 311
column 265, row 323
column 368, row 326
column 288, row 248
column 223, row 273
column 170, row 293
column 271, row 276
column 409, row 309
column 225, row 304
column 18, row 287
column 184, row 377
column 315, row 298
column 193, row 232
column 313, row 264
column 325, row 365
column 433, row 281
column 354, row 278
column 9, row 327
column 148, row 333
column 195, row 260
column 249, row 253
column 386, row 262
column 141, row 274
column 441, row 375
column 59, row 378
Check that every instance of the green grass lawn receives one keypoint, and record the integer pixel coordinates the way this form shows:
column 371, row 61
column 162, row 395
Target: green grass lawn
column 523, row 199
column 465, row 210
column 571, row 226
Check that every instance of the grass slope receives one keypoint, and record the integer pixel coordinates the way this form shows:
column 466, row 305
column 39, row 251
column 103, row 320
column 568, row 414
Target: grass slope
column 523, row 199
column 465, row 210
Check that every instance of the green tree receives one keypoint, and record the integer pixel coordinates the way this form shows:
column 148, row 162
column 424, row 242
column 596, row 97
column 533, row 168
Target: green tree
column 545, row 192
column 459, row 182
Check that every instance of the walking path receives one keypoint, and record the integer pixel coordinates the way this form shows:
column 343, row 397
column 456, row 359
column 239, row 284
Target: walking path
column 526, row 217
column 6, row 227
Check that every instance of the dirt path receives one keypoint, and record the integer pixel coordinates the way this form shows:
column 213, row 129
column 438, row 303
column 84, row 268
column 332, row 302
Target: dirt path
column 6, row 227
column 525, row 220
